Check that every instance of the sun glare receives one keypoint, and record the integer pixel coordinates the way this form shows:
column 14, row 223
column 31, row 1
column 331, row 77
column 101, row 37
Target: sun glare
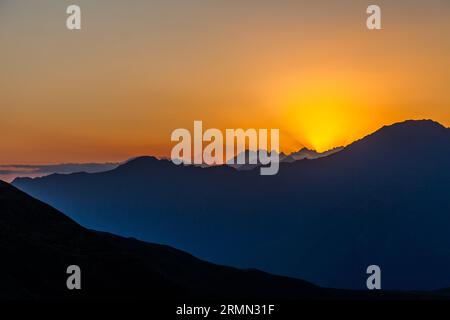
column 322, row 117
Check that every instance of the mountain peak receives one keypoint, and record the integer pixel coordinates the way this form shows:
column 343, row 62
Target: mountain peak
column 142, row 159
column 141, row 162
column 305, row 149
column 415, row 124
column 410, row 128
column 305, row 153
column 403, row 139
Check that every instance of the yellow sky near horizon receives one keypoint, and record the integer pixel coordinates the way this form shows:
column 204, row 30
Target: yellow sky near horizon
column 138, row 70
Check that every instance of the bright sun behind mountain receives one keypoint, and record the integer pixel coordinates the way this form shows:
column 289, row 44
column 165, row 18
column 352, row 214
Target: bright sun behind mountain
column 325, row 115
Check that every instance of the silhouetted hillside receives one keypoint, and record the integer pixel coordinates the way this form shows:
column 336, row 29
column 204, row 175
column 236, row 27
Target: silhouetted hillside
column 382, row 200
column 38, row 243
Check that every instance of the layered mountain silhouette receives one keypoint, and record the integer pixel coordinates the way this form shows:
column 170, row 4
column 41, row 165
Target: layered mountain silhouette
column 306, row 153
column 38, row 243
column 382, row 200
column 11, row 171
column 251, row 158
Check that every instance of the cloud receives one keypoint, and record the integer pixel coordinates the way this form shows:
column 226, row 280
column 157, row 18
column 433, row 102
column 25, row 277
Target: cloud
column 25, row 170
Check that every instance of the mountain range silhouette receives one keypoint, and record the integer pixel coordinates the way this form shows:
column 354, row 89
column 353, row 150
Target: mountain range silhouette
column 381, row 200
column 252, row 158
column 38, row 244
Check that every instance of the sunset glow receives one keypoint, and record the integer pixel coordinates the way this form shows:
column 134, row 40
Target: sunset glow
column 133, row 74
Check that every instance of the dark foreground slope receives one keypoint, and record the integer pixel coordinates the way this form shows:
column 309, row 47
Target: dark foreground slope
column 38, row 243
column 382, row 200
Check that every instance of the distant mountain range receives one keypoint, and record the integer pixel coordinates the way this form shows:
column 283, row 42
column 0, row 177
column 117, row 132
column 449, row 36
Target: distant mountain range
column 306, row 153
column 381, row 200
column 251, row 157
column 10, row 171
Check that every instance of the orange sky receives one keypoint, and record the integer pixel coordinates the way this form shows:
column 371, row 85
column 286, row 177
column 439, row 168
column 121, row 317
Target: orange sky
column 138, row 70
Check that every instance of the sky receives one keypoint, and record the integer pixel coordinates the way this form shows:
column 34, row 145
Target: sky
column 140, row 69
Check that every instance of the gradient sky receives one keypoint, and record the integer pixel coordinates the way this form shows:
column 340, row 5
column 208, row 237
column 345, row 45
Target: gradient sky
column 139, row 69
